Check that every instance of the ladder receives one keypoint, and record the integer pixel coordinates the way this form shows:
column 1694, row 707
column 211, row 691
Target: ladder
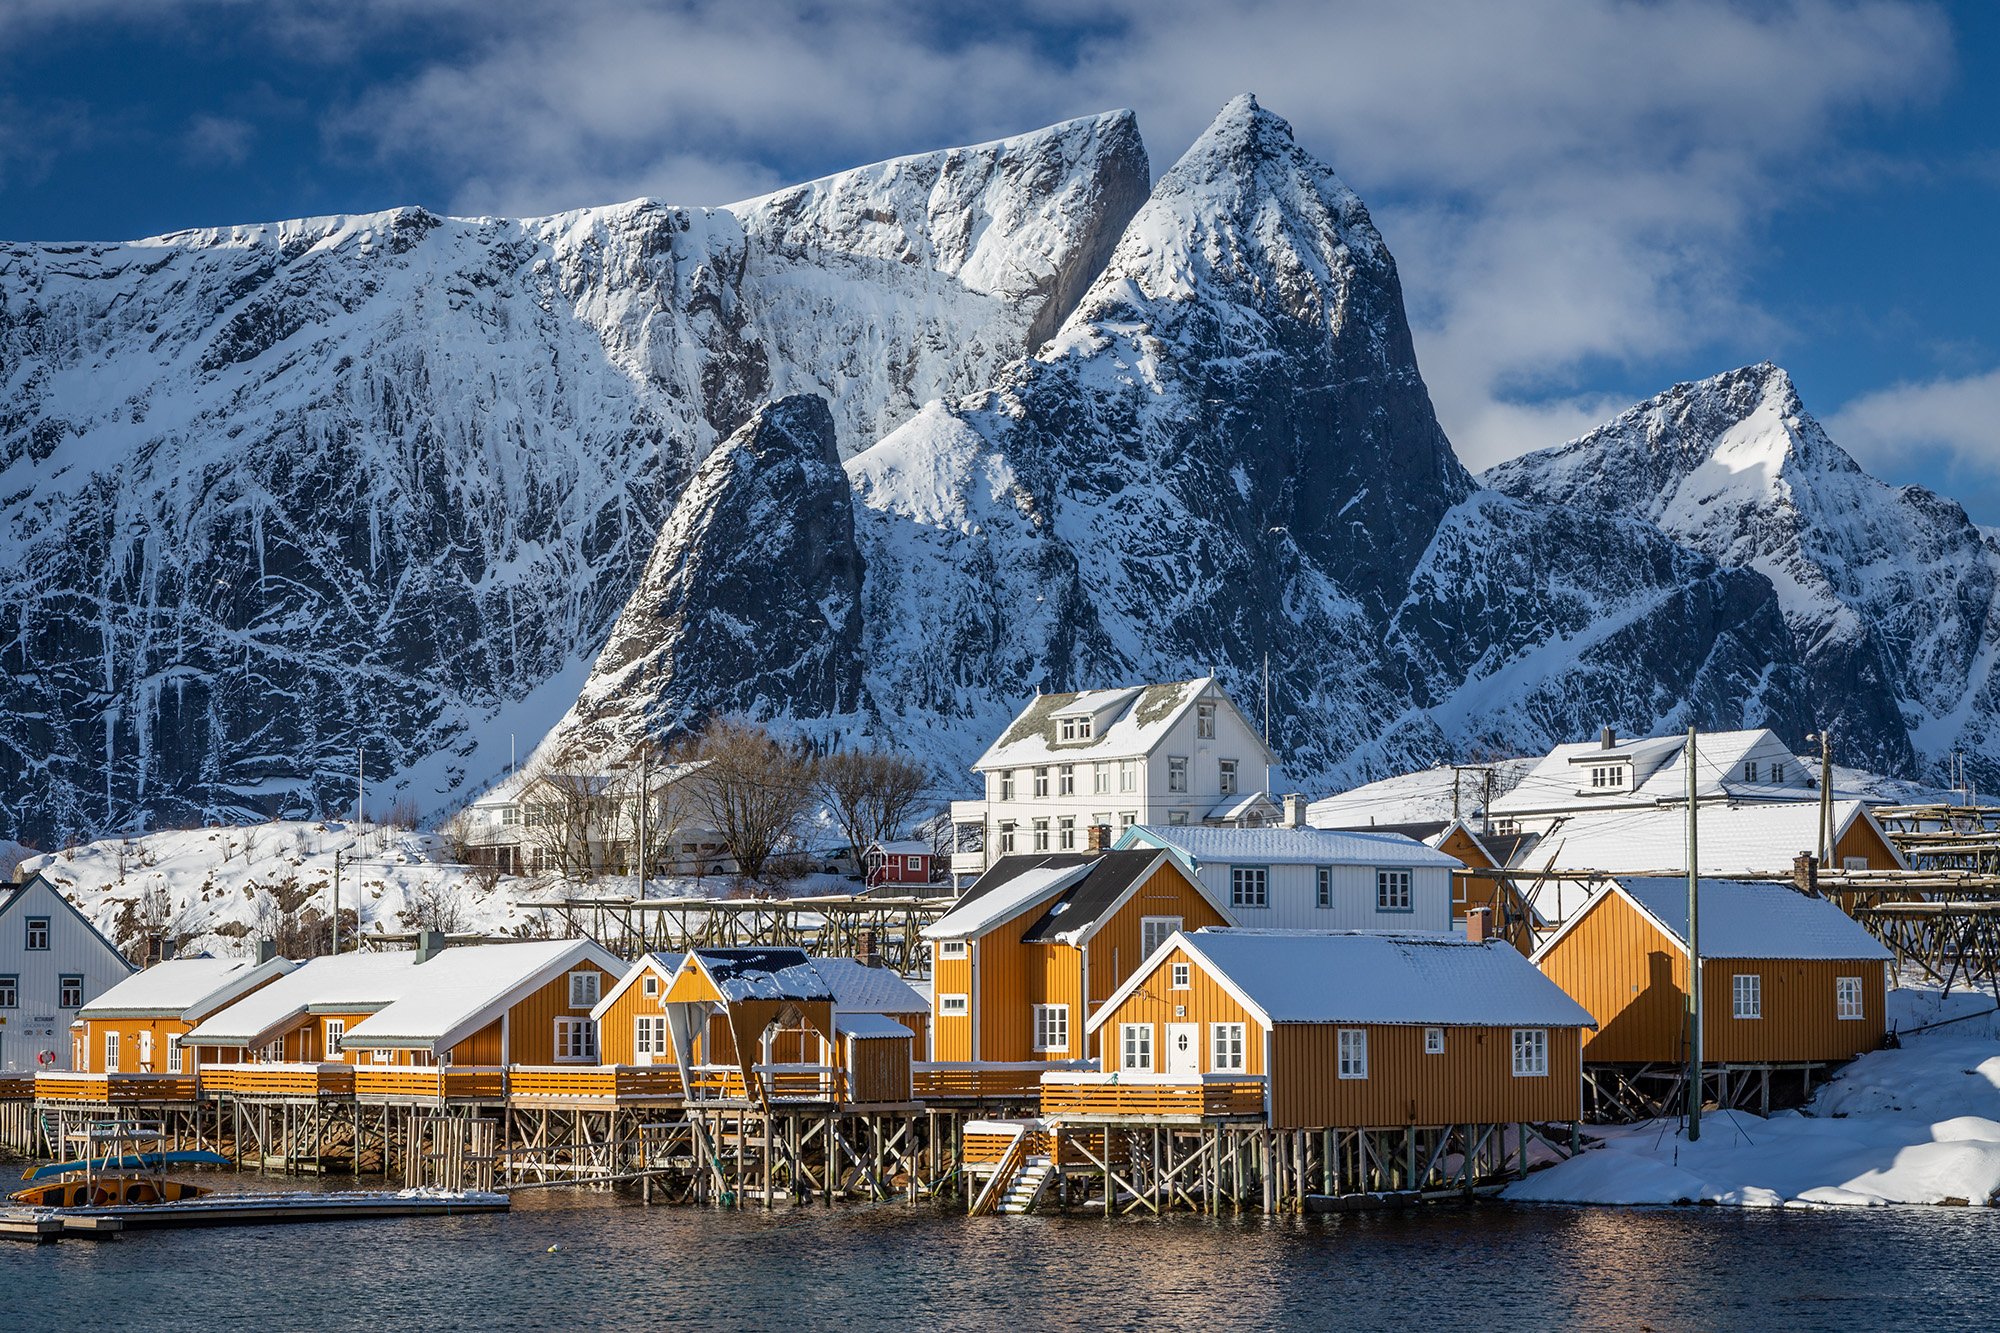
column 1025, row 1190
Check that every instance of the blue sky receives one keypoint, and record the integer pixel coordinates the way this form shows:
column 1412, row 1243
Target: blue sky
column 1589, row 200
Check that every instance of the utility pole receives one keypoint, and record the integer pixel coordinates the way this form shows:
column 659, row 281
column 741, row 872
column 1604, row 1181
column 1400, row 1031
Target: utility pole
column 1825, row 799
column 645, row 799
column 360, row 783
column 1454, row 793
column 1694, row 954
column 336, row 901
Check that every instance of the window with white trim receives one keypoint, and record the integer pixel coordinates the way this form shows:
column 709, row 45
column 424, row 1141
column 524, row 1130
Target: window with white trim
column 111, row 1052
column 1777, row 771
column 69, row 993
column 583, row 989
column 10, row 992
column 1135, row 1047
column 1354, row 1052
column 1100, row 779
column 1324, row 894
column 1433, row 1041
column 1607, row 777
column 38, row 933
column 1041, row 835
column 1066, row 780
column 1177, row 816
column 1750, row 770
column 1006, row 784
column 1127, row 818
column 1531, row 1053
column 1225, row 1048
column 1177, row 772
column 576, row 1041
column 1042, row 780
column 1183, row 974
column 1392, row 891
column 1746, row 995
column 1204, row 721
column 914, row 863
column 174, row 1055
column 336, row 1032
column 1128, row 775
column 1007, row 838
column 952, row 1006
column 1853, row 863
column 1155, row 931
column 951, row 948
column 649, row 1034
column 274, row 1050
column 1051, row 1027
column 1847, row 997
column 1225, row 770
column 1249, row 886
column 649, row 985
column 1066, row 833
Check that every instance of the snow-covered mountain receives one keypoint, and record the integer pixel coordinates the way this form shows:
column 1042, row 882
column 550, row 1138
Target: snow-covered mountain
column 1889, row 593
column 269, row 494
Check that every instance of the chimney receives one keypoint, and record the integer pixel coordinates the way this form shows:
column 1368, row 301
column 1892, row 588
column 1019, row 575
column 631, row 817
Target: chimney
column 266, row 950
column 1097, row 838
column 430, row 943
column 1609, row 738
column 1805, row 874
column 866, row 951
column 1477, row 928
column 1295, row 810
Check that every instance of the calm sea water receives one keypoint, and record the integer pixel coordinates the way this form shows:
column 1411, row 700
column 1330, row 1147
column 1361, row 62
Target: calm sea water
column 620, row 1265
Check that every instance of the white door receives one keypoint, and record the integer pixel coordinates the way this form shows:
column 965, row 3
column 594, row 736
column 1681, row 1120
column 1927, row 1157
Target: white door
column 1184, row 1049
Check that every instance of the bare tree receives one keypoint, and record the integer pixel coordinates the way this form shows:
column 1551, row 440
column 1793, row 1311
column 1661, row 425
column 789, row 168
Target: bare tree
column 434, row 905
column 752, row 789
column 871, row 794
column 652, row 805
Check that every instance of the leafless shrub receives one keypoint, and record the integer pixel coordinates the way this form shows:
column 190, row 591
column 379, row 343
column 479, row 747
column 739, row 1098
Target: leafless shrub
column 752, row 788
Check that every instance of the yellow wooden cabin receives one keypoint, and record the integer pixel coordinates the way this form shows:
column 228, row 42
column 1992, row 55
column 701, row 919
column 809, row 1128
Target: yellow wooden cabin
column 1332, row 1030
column 288, row 1039
column 1786, row 978
column 1037, row 942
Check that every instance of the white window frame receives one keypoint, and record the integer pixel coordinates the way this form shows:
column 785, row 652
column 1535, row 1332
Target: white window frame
column 1395, row 891
column 1177, row 773
column 1183, row 976
column 1041, row 830
column 1041, row 782
column 1323, row 886
column 111, row 1051
column 1746, row 1001
column 1066, row 833
column 1226, row 1048
column 951, row 948
column 577, row 1037
column 336, row 1034
column 1052, row 1027
column 1353, row 1051
column 1100, row 779
column 1531, row 1052
column 1066, row 779
column 1241, row 880
column 954, row 1006
column 649, row 985
column 1009, row 832
column 1225, row 776
column 1433, row 1041
column 1204, row 721
column 1135, row 1048
column 913, row 862
column 649, row 1034
column 1158, row 929
column 174, row 1054
column 1850, row 1001
column 585, row 989
column 1749, row 770
column 380, row 1055
column 1127, row 818
column 1006, row 784
column 1128, row 775
column 1777, row 772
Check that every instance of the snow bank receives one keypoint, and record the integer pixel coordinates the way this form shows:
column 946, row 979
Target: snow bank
column 1919, row 1125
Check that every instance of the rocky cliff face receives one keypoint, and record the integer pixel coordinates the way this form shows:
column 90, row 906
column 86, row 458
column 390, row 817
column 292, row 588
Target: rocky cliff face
column 1889, row 593
column 269, row 494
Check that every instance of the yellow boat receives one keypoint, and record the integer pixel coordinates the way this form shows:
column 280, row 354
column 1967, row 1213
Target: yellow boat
column 117, row 1177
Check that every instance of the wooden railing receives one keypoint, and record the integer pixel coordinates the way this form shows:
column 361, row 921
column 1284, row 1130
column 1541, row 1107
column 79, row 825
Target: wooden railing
column 1004, row 1171
column 17, row 1085
column 794, row 1083
column 593, row 1083
column 1153, row 1096
column 115, row 1089
column 472, row 1083
column 954, row 1081
column 331, row 1079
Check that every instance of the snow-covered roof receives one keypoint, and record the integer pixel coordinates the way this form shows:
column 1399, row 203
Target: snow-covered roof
column 661, row 965
column 1744, row 920
column 868, row 1025
column 858, row 988
column 1757, row 838
column 903, row 847
column 1236, row 807
column 762, row 974
column 184, row 988
column 342, row 983
column 1342, row 976
column 977, row 915
column 1285, row 846
column 1658, row 771
column 1125, row 722
column 461, row 990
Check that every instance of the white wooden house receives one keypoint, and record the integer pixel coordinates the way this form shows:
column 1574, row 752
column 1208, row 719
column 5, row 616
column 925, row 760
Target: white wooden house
column 52, row 963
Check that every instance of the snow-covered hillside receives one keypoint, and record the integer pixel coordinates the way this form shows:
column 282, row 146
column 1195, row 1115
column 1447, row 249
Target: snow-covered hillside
column 1891, row 594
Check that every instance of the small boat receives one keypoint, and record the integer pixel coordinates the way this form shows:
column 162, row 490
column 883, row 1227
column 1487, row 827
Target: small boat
column 109, row 1174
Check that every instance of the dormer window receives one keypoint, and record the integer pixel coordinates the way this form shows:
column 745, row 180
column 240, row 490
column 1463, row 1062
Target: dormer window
column 1204, row 721
column 1777, row 772
column 1073, row 728
column 1750, row 770
column 1607, row 777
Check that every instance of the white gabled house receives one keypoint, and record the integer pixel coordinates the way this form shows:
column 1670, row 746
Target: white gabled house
column 1179, row 753
column 1313, row 879
column 52, row 963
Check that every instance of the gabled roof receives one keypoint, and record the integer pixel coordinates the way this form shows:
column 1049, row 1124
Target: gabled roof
column 1129, row 721
column 1011, row 886
column 20, row 894
column 348, row 983
column 1239, row 807
column 459, row 991
column 1757, row 838
column 1739, row 920
column 1561, row 778
column 1352, row 976
column 902, row 847
column 851, row 1024
column 184, row 988
column 761, row 974
column 1074, row 892
column 1199, row 845
column 661, row 965
column 860, row 989
column 1086, row 904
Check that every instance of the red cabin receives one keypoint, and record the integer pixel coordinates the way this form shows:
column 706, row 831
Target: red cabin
column 907, row 862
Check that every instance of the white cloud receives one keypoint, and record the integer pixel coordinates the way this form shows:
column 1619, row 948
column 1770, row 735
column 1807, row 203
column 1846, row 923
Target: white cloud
column 217, row 140
column 1956, row 420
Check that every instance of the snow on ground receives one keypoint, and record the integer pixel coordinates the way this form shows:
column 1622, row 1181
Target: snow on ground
column 1917, row 1125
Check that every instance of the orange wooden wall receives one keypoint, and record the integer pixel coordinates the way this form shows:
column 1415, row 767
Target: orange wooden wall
column 952, row 1038
column 1472, row 1082
column 1203, row 1002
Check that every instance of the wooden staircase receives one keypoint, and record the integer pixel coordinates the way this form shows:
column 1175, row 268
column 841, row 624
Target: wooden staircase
column 1025, row 1189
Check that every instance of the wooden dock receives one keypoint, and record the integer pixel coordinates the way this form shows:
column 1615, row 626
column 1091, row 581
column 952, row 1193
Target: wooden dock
column 41, row 1225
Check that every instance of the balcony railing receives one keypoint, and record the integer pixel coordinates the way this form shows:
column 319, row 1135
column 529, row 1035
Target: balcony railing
column 114, row 1089
column 975, row 1080
column 593, row 1083
column 782, row 1083
column 1092, row 1096
column 430, row 1083
column 298, row 1081
column 17, row 1085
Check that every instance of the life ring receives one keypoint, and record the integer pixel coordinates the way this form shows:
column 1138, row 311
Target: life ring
column 45, row 1057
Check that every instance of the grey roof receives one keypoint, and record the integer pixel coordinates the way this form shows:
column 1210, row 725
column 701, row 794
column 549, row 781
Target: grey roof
column 1749, row 920
column 1077, row 902
column 1308, row 846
